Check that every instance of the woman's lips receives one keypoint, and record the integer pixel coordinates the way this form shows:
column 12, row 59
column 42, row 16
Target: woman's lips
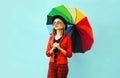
column 56, row 26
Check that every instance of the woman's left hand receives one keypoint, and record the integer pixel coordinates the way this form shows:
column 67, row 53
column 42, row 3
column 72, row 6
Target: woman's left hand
column 56, row 45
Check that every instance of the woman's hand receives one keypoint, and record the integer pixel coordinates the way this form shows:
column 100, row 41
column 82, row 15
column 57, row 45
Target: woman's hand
column 56, row 45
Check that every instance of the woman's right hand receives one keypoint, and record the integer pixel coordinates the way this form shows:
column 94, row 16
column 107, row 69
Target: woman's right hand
column 54, row 45
column 51, row 51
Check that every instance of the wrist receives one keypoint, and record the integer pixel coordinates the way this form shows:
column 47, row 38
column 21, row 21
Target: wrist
column 51, row 51
column 62, row 50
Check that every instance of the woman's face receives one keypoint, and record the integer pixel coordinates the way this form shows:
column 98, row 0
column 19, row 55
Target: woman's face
column 58, row 24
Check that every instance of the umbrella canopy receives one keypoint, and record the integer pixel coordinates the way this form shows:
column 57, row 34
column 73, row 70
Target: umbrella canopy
column 78, row 27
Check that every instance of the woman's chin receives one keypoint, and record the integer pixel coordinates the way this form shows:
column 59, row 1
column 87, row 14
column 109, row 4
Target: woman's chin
column 56, row 28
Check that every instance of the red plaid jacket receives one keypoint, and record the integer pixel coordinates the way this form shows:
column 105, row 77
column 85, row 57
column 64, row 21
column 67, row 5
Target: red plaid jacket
column 66, row 44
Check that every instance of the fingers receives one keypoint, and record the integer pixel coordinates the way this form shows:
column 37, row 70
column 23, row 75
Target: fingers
column 55, row 44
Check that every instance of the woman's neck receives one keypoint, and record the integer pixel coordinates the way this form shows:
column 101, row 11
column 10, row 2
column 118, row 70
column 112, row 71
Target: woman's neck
column 59, row 33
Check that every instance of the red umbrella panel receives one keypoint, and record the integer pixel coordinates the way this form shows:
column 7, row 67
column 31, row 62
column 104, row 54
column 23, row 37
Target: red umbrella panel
column 82, row 36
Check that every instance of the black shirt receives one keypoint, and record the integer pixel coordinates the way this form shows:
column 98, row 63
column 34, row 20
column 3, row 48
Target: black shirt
column 56, row 49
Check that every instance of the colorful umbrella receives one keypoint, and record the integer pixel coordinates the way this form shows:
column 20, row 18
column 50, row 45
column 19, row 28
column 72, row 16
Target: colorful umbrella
column 78, row 27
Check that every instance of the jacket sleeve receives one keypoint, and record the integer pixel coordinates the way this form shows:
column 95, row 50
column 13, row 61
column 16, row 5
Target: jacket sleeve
column 69, row 47
column 48, row 48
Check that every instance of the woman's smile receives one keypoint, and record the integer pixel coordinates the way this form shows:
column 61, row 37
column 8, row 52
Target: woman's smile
column 56, row 26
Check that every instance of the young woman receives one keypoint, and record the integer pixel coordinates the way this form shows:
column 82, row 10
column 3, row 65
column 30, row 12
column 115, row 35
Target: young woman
column 59, row 48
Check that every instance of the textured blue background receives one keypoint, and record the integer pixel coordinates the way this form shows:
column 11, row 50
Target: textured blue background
column 24, row 36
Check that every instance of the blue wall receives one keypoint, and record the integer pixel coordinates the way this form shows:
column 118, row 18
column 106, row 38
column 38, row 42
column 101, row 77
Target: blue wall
column 24, row 36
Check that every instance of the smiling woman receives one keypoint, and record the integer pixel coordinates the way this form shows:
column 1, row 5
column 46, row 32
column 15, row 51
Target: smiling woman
column 58, row 53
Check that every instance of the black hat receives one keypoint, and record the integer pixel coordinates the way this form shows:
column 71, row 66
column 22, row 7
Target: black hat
column 60, row 17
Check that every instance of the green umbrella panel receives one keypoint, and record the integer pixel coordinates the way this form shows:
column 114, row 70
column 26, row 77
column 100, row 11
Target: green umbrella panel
column 62, row 11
